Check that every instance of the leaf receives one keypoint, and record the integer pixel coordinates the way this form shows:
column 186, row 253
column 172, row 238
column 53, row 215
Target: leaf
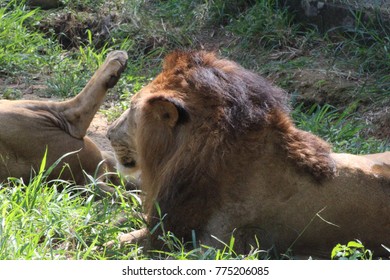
column 336, row 250
column 354, row 244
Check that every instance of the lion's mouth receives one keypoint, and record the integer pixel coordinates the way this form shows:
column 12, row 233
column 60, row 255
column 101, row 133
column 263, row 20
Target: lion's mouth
column 127, row 166
column 130, row 164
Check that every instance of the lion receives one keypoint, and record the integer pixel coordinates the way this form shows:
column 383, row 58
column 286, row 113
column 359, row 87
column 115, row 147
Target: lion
column 29, row 128
column 220, row 157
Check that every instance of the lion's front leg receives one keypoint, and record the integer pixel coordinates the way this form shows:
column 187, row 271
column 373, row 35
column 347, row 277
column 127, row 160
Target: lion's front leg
column 140, row 236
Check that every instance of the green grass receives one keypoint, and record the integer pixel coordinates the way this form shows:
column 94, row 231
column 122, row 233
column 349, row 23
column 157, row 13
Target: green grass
column 39, row 221
column 265, row 24
column 341, row 128
column 72, row 73
column 363, row 51
column 21, row 49
column 56, row 220
column 368, row 43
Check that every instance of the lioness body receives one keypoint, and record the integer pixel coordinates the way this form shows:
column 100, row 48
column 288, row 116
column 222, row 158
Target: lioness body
column 220, row 155
column 28, row 128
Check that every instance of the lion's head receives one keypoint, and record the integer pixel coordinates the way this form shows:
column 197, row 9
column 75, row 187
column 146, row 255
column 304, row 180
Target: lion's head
column 201, row 106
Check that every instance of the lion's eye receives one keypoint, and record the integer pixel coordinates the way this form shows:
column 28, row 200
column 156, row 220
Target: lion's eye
column 130, row 164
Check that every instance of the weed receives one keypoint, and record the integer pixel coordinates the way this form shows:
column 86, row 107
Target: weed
column 68, row 78
column 265, row 24
column 83, row 4
column 365, row 47
column 11, row 94
column 21, row 49
column 222, row 12
column 56, row 220
column 177, row 250
column 338, row 127
column 72, row 73
column 354, row 250
column 368, row 41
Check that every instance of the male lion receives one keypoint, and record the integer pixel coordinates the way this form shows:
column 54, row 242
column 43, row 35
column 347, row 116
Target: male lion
column 28, row 128
column 220, row 155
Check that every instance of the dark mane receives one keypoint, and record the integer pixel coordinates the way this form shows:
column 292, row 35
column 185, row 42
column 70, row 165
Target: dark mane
column 305, row 149
column 249, row 103
column 247, row 98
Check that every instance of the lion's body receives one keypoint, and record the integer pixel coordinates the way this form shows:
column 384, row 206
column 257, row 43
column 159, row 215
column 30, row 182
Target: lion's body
column 288, row 209
column 29, row 128
column 220, row 155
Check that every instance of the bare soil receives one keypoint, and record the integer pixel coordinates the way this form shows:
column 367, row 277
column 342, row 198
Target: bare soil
column 321, row 86
column 97, row 132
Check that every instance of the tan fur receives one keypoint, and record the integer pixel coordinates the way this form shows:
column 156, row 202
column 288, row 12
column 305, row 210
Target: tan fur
column 28, row 128
column 220, row 155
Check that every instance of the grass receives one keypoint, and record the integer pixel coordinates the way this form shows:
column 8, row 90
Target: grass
column 368, row 42
column 21, row 49
column 342, row 128
column 42, row 222
column 265, row 24
column 56, row 220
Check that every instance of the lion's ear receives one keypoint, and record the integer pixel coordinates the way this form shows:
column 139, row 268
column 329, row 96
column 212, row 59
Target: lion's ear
column 167, row 110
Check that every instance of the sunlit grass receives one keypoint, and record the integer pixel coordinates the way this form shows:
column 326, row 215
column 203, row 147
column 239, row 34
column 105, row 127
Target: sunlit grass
column 21, row 49
column 341, row 128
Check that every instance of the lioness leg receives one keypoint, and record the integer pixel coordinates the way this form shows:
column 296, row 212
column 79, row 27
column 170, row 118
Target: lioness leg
column 80, row 110
column 28, row 128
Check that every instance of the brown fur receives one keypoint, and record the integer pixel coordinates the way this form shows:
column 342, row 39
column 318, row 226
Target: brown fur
column 29, row 128
column 305, row 149
column 220, row 155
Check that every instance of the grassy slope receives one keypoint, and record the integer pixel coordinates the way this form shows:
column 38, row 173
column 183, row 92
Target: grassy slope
column 59, row 222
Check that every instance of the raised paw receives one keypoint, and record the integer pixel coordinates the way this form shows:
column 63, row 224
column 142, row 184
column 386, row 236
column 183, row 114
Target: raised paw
column 113, row 67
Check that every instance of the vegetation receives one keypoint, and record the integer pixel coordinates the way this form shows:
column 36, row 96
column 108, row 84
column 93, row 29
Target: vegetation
column 23, row 49
column 55, row 220
column 354, row 250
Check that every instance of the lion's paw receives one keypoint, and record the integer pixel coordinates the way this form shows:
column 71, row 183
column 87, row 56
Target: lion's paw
column 114, row 65
column 133, row 237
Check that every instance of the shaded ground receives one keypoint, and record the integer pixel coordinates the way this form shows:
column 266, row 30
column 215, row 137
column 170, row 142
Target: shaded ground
column 97, row 132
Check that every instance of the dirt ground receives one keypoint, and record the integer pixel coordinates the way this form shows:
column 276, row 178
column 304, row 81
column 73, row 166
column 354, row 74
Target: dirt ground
column 97, row 132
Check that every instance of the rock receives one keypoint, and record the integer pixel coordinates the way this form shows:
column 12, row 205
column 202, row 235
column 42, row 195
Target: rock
column 327, row 14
